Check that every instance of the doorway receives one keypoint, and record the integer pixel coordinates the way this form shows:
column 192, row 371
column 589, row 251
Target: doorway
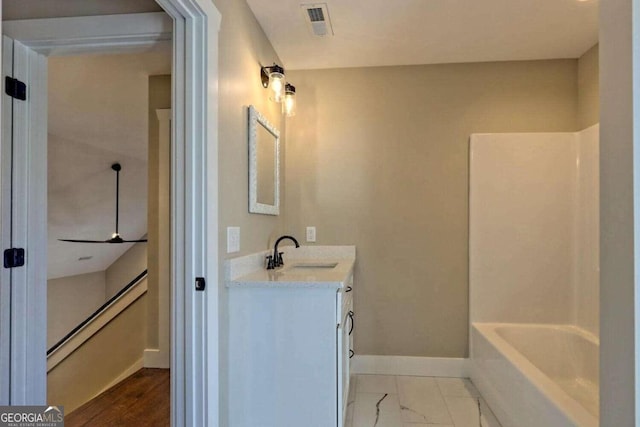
column 109, row 150
column 194, row 183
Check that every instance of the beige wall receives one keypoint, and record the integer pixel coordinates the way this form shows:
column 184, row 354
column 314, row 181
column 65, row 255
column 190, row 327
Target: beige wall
column 378, row 158
column 243, row 47
column 70, row 300
column 126, row 268
column 100, row 360
column 588, row 88
column 619, row 194
column 158, row 214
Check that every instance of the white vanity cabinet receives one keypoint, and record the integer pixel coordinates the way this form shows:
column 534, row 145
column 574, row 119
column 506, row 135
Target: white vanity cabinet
column 289, row 348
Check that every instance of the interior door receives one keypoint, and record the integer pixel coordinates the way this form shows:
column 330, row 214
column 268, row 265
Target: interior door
column 24, row 214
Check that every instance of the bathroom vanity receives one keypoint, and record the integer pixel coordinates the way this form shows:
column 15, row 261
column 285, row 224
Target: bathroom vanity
column 290, row 338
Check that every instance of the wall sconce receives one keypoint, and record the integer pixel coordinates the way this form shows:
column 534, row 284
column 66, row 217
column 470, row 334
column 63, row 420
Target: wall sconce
column 273, row 77
column 281, row 91
column 289, row 104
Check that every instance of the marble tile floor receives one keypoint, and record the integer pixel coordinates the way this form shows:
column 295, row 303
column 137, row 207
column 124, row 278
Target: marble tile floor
column 404, row 401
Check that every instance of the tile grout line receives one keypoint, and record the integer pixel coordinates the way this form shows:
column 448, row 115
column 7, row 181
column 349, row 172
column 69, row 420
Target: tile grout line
column 478, row 400
column 402, row 407
column 446, row 404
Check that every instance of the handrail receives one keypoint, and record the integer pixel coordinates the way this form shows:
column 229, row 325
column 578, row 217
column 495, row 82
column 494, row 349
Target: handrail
column 99, row 311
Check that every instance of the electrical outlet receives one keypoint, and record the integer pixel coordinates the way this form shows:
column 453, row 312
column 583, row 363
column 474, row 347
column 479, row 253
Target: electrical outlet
column 311, row 234
column 233, row 239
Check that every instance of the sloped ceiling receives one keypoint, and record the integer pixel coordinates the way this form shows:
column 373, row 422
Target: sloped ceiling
column 98, row 115
column 404, row 32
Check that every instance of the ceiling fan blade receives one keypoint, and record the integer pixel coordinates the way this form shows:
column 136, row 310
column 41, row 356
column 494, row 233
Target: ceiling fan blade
column 118, row 239
column 116, row 236
column 83, row 241
column 112, row 240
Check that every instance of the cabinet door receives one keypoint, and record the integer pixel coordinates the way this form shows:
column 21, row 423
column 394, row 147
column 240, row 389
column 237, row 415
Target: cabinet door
column 344, row 350
column 347, row 345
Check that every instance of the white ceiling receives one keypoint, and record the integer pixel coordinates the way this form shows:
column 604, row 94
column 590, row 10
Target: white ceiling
column 404, row 32
column 98, row 115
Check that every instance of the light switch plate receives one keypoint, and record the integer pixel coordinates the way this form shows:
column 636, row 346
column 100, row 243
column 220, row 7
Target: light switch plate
column 233, row 239
column 311, row 234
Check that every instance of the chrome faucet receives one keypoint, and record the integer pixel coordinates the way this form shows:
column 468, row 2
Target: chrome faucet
column 275, row 260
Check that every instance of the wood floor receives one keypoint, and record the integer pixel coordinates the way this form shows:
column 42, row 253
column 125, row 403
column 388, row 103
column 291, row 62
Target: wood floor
column 141, row 400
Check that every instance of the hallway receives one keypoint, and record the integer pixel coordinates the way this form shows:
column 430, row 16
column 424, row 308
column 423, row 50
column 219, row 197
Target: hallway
column 141, row 400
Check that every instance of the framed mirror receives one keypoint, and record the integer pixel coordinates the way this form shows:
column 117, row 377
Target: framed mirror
column 264, row 165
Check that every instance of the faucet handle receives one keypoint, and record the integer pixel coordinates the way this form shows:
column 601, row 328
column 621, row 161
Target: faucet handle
column 269, row 262
column 280, row 260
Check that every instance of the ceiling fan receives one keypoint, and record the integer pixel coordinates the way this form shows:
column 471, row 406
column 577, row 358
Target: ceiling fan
column 115, row 238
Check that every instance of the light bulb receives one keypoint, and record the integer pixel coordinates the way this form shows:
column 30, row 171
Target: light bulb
column 289, row 104
column 276, row 83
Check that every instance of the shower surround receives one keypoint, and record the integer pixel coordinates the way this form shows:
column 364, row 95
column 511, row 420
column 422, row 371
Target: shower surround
column 534, row 260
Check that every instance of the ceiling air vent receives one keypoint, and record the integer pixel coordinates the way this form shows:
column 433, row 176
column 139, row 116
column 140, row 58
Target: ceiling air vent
column 317, row 17
column 316, row 14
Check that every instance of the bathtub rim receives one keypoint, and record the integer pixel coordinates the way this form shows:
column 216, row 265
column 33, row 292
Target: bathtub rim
column 541, row 382
column 555, row 326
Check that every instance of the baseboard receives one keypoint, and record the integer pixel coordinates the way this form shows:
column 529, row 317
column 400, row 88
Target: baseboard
column 408, row 365
column 124, row 375
column 155, row 358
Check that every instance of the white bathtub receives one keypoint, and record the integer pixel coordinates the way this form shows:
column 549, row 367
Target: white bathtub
column 536, row 375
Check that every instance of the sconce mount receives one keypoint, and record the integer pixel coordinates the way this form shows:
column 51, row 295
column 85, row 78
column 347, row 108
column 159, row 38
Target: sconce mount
column 265, row 71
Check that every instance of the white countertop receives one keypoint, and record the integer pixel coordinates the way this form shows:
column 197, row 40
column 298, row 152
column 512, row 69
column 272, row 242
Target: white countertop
column 290, row 277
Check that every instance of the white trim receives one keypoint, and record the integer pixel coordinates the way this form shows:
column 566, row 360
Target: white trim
column 5, row 235
column 80, row 337
column 194, row 230
column 104, row 34
column 212, row 260
column 409, row 365
column 155, row 358
column 123, row 376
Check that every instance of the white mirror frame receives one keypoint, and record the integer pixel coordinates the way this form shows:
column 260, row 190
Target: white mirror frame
column 256, row 118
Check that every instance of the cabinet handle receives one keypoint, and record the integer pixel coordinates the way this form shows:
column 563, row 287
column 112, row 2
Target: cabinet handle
column 352, row 322
column 349, row 289
column 351, row 353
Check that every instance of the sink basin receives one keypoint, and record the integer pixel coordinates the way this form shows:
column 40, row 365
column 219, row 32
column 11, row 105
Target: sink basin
column 314, row 266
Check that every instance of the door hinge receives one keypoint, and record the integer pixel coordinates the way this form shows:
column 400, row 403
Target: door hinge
column 15, row 88
column 13, row 257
